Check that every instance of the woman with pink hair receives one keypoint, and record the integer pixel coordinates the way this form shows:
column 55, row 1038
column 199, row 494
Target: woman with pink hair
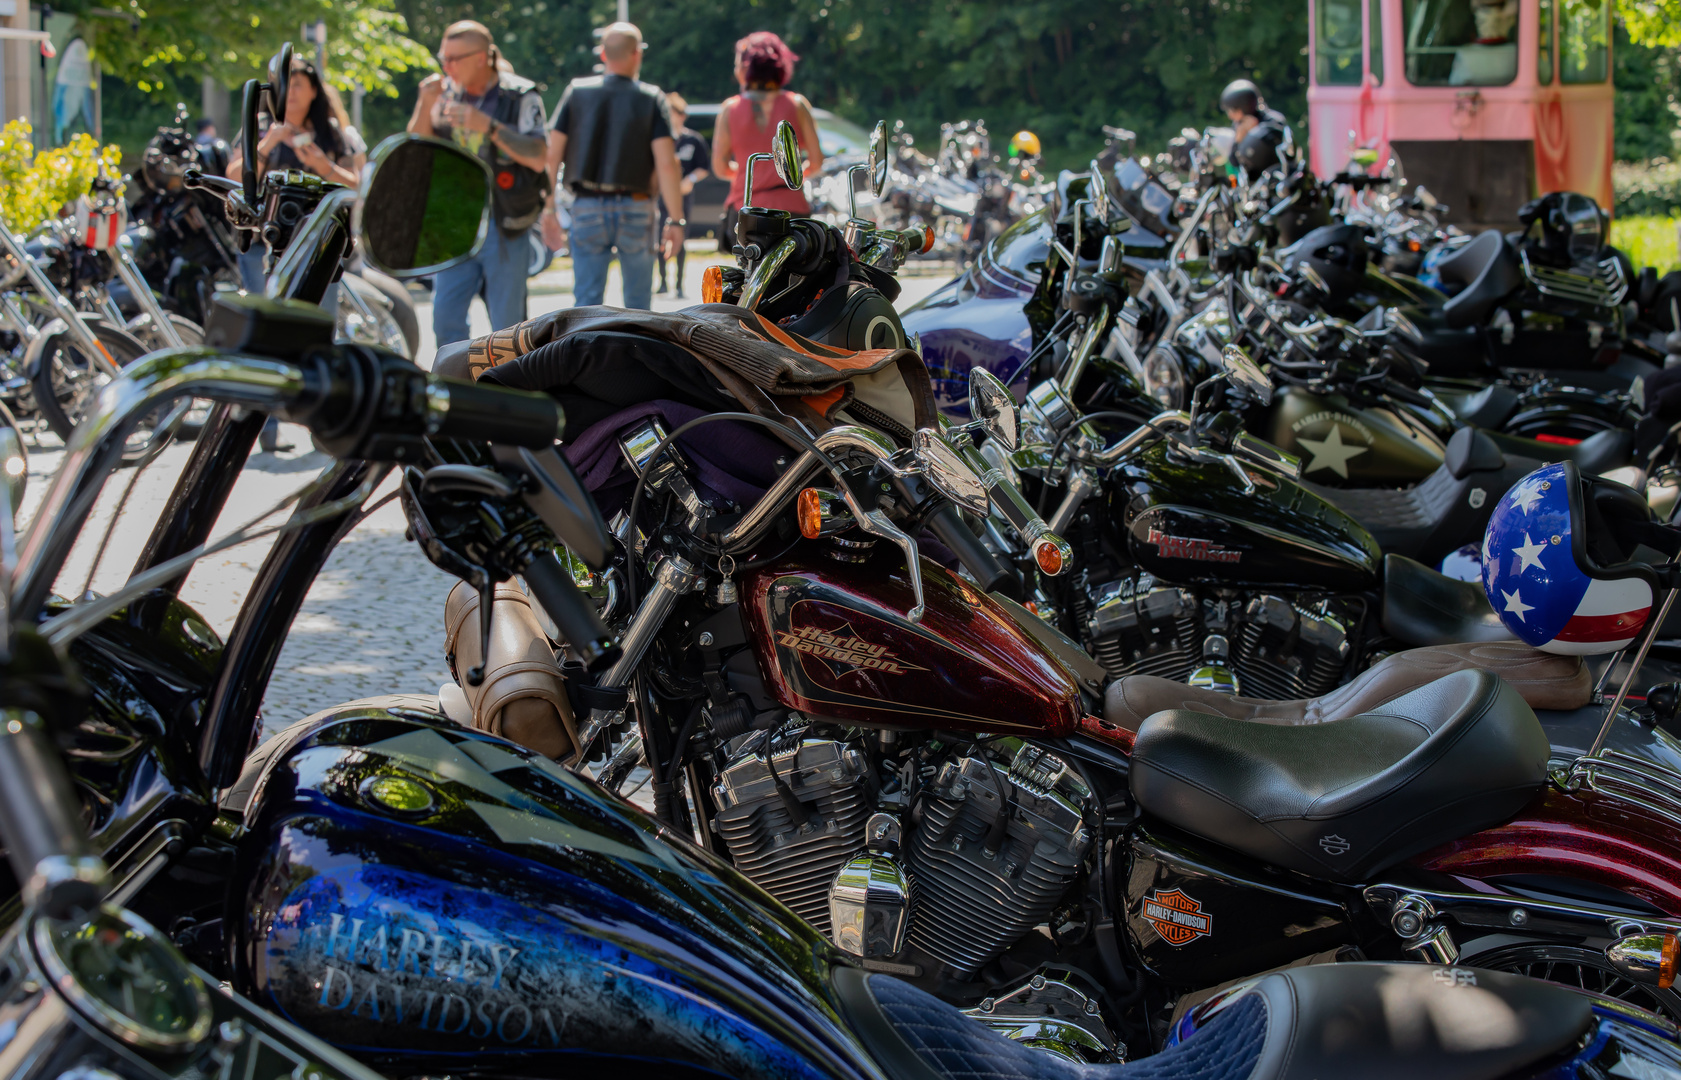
column 763, row 67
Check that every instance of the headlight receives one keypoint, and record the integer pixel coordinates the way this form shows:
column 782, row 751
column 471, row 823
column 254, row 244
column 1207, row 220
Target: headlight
column 1164, row 377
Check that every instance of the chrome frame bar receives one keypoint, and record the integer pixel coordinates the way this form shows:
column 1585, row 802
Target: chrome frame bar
column 96, row 446
column 129, row 271
column 59, row 303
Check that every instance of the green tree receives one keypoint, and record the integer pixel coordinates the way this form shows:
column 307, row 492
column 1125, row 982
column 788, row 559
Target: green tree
column 163, row 46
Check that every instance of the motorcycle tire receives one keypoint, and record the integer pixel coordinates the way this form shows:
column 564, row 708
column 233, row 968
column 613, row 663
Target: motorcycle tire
column 1584, row 968
column 65, row 383
column 402, row 305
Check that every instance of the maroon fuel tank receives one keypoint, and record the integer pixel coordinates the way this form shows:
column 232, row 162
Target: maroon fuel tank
column 833, row 641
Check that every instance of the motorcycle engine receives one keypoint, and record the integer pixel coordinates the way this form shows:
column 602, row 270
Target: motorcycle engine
column 979, row 844
column 1257, row 645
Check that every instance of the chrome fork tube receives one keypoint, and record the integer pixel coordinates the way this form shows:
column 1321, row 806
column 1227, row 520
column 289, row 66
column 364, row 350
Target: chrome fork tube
column 675, row 576
column 123, row 256
column 61, row 305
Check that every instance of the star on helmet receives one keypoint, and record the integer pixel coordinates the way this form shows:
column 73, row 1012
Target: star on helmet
column 1530, row 553
column 1526, row 495
column 1515, row 604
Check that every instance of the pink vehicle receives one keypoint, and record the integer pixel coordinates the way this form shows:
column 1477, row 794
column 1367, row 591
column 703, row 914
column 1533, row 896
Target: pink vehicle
column 1486, row 102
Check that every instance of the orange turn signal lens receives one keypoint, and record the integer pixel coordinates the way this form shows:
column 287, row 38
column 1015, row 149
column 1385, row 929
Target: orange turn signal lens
column 1049, row 557
column 808, row 508
column 712, row 285
column 927, row 240
column 1669, row 959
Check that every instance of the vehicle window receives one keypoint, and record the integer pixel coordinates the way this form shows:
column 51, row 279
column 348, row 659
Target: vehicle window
column 1544, row 45
column 1461, row 42
column 1583, row 29
column 1337, row 40
column 1374, row 41
column 1023, row 248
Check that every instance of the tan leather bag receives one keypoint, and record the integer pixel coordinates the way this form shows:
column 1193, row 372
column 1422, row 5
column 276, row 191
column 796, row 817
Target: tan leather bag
column 523, row 696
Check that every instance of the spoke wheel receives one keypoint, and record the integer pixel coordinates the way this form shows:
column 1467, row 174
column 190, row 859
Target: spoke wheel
column 66, row 383
column 1585, row 969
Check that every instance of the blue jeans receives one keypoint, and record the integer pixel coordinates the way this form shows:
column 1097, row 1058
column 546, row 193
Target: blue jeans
column 499, row 269
column 601, row 223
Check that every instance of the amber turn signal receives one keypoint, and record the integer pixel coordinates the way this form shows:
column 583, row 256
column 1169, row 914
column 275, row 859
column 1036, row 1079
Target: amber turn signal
column 1647, row 958
column 1048, row 556
column 927, row 240
column 712, row 284
column 809, row 509
column 1669, row 958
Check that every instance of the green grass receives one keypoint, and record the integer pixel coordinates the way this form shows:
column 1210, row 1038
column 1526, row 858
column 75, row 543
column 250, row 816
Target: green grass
column 1649, row 241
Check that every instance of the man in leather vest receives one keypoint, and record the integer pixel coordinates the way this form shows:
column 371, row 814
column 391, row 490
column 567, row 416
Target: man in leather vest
column 497, row 115
column 613, row 133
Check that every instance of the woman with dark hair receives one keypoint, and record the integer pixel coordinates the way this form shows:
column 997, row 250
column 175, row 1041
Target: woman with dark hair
column 764, row 65
column 315, row 134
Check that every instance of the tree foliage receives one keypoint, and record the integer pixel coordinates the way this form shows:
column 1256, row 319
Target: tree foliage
column 164, row 46
column 34, row 187
column 1063, row 68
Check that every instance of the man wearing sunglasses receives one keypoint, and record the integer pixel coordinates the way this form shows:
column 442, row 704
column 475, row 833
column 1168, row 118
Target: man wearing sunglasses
column 481, row 105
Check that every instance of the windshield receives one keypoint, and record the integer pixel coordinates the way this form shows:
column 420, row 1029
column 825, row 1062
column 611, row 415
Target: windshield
column 1337, row 42
column 1461, row 42
column 1023, row 248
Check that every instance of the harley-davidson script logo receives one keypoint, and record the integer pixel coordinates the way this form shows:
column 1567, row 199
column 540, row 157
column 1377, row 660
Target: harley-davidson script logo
column 1176, row 917
column 844, row 648
column 1185, row 547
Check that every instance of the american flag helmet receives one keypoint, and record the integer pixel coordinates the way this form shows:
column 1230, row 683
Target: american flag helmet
column 1558, row 566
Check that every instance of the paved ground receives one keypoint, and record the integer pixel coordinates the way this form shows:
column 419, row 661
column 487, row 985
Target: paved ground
column 373, row 623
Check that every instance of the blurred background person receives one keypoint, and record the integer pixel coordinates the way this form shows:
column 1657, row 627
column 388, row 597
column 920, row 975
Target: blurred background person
column 693, row 159
column 315, row 135
column 613, row 135
column 764, row 65
column 482, row 106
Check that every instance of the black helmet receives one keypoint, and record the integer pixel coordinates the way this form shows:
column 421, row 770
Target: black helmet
column 1242, row 95
column 1259, row 148
column 168, row 156
column 1331, row 258
column 1562, row 227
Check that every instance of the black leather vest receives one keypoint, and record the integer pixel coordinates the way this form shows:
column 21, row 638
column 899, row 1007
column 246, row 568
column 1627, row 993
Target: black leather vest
column 609, row 125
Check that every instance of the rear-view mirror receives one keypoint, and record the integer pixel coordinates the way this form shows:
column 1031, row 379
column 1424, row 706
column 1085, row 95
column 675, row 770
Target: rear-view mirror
column 425, row 206
column 878, row 158
column 991, row 402
column 1246, row 374
column 785, row 153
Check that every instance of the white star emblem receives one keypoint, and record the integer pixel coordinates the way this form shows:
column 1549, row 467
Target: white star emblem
column 1515, row 604
column 1330, row 453
column 1530, row 553
column 1526, row 496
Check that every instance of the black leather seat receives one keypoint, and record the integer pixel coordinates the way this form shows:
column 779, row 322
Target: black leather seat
column 1422, row 606
column 1490, row 268
column 1372, row 1021
column 1442, row 512
column 1345, row 800
column 1596, row 454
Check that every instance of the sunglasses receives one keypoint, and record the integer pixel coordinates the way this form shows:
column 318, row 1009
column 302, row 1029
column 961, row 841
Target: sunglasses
column 458, row 57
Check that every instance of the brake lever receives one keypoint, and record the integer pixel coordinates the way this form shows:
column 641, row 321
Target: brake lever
column 876, row 523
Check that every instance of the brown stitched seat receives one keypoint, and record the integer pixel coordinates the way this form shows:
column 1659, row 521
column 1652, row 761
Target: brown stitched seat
column 1545, row 681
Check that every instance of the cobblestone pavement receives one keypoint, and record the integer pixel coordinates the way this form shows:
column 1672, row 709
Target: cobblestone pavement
column 373, row 621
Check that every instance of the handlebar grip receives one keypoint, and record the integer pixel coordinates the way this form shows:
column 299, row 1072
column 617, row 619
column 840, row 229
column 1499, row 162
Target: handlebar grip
column 1265, row 454
column 571, row 611
column 914, row 241
column 196, row 178
column 491, row 413
column 38, row 821
column 989, row 572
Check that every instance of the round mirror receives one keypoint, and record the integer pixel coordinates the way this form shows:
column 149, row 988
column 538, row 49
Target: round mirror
column 991, row 402
column 425, row 206
column 951, row 477
column 1246, row 374
column 1097, row 190
column 785, row 152
column 878, row 158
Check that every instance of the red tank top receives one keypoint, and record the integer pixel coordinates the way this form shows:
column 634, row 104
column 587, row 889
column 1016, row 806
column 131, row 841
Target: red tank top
column 747, row 137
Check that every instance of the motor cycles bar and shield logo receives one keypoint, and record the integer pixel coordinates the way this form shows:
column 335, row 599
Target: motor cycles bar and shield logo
column 1179, row 919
